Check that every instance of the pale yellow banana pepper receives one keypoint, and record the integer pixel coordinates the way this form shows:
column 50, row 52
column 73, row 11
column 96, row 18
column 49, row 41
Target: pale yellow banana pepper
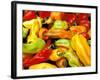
column 82, row 48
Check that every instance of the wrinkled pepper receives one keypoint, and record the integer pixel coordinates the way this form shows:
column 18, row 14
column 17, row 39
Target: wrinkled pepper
column 72, row 58
column 82, row 48
column 41, row 56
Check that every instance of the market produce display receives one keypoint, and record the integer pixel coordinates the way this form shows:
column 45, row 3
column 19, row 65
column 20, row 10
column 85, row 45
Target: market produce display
column 56, row 39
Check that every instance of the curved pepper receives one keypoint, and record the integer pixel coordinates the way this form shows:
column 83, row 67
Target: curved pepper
column 41, row 56
column 33, row 47
column 72, row 58
column 33, row 25
column 80, row 45
column 59, row 33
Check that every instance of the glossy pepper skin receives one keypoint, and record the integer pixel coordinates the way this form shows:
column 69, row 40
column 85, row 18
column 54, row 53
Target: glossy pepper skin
column 41, row 56
column 63, row 43
column 28, row 15
column 70, row 18
column 58, row 24
column 34, row 47
column 72, row 58
column 82, row 48
column 42, row 66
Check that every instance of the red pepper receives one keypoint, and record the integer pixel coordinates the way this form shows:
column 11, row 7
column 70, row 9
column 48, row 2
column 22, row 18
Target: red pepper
column 82, row 16
column 85, row 35
column 85, row 23
column 28, row 15
column 38, row 58
column 70, row 17
column 44, row 14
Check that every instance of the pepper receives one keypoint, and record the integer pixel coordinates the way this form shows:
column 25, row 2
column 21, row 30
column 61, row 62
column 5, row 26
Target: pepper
column 33, row 25
column 72, row 58
column 42, row 66
column 57, row 54
column 44, row 14
column 41, row 56
column 24, row 32
column 33, row 47
column 28, row 15
column 85, row 23
column 63, row 42
column 61, row 63
column 57, row 15
column 59, row 33
column 78, row 29
column 82, row 48
column 41, row 33
column 70, row 17
column 58, row 24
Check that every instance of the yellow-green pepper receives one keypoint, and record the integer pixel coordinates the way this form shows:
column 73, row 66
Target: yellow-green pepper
column 33, row 47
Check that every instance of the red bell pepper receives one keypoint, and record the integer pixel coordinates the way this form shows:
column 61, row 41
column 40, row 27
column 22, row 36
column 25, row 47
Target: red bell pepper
column 38, row 58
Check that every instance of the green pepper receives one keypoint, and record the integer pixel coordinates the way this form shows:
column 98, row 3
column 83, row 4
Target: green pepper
column 63, row 42
column 89, row 42
column 72, row 58
column 58, row 24
column 33, row 47
column 24, row 32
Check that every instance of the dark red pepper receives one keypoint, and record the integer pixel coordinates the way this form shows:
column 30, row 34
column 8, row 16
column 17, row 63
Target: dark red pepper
column 70, row 17
column 28, row 15
column 44, row 14
column 42, row 56
column 86, row 35
column 85, row 23
column 82, row 16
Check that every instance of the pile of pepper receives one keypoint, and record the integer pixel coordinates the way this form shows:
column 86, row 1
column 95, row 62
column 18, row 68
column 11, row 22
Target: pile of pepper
column 56, row 39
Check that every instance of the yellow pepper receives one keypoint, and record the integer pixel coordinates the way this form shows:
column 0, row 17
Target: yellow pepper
column 42, row 66
column 57, row 54
column 80, row 45
column 33, row 25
